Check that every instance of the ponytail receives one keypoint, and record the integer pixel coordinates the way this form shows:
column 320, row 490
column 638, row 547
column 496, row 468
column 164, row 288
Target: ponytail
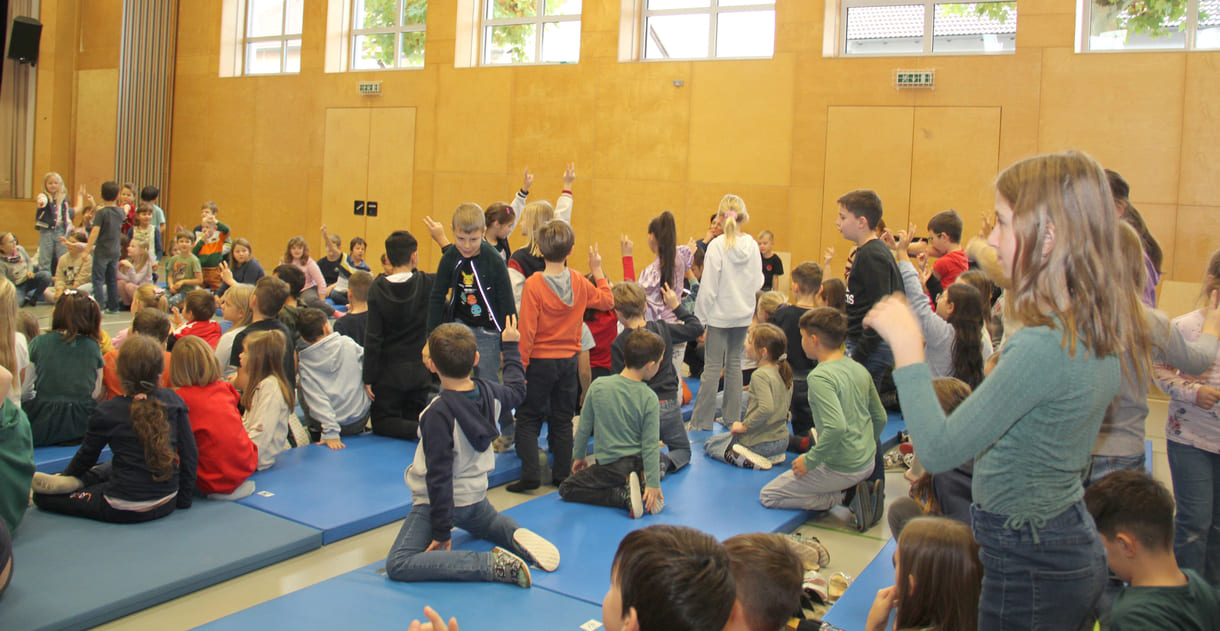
column 732, row 213
column 665, row 231
column 140, row 364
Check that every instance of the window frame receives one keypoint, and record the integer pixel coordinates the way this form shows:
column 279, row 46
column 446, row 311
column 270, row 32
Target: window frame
column 929, row 33
column 398, row 31
column 283, row 38
column 1084, row 32
column 485, row 24
column 713, row 11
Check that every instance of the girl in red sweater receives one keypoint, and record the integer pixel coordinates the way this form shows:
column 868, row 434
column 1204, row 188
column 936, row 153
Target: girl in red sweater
column 227, row 456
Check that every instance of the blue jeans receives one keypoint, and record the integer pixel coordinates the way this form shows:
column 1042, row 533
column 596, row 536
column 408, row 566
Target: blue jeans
column 1048, row 580
column 50, row 249
column 106, row 282
column 717, row 446
column 488, row 341
column 1102, row 466
column 879, row 361
column 1196, row 489
column 673, row 434
column 408, row 562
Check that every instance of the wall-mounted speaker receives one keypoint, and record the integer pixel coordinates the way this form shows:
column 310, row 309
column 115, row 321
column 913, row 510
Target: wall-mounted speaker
column 23, row 43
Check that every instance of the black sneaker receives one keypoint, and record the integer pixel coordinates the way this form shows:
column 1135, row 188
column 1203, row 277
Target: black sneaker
column 522, row 486
column 862, row 505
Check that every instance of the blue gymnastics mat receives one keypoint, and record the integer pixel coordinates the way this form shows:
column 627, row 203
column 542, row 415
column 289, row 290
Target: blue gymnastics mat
column 850, row 612
column 366, row 599
column 714, row 497
column 56, row 459
column 73, row 573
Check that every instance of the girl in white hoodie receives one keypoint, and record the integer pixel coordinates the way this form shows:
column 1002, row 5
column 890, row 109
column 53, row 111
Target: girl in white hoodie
column 732, row 272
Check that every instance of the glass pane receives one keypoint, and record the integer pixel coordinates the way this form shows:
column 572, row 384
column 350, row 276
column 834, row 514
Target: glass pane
column 745, row 34
column 373, row 14
column 676, row 36
column 1129, row 26
column 561, row 41
column 263, row 57
column 266, row 17
column 412, row 50
column 885, row 30
column 1208, row 35
column 414, row 12
column 292, row 56
column 510, row 44
column 659, row 5
column 988, row 27
column 501, row 9
column 742, row 3
column 562, row 7
column 296, row 14
column 371, row 52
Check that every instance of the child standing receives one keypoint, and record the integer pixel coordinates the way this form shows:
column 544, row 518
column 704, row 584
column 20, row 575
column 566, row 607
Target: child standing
column 53, row 220
column 772, row 265
column 144, row 231
column 356, row 322
column 849, row 419
column 183, row 272
column 332, row 395
column 394, row 375
column 527, row 261
column 149, row 195
column 227, row 456
column 502, row 218
column 1134, row 515
column 806, row 283
column 553, row 304
column 448, row 478
column 761, row 438
column 17, row 266
column 668, row 269
column 268, row 399
column 297, row 254
column 732, row 272
column 622, row 414
column 66, row 369
column 105, row 244
column 147, row 430
column 1032, row 423
column 127, row 203
column 629, row 306
column 134, row 271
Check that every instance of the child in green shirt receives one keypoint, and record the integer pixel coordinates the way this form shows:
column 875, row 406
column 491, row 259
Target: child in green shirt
column 182, row 270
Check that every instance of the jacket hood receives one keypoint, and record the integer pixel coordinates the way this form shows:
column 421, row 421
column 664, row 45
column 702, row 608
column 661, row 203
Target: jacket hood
column 413, row 290
column 477, row 419
column 323, row 354
column 744, row 250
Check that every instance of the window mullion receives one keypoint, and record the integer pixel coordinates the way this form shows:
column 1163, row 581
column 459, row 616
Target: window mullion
column 1192, row 23
column 713, row 18
column 929, row 25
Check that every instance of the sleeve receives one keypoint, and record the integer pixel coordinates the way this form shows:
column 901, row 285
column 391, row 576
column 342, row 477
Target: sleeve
column 710, row 283
column 506, row 302
column 616, row 356
column 196, row 268
column 527, row 324
column 651, row 447
column 372, row 341
column 778, row 268
column 516, row 283
column 436, row 297
column 986, row 415
column 1176, row 381
column 512, row 374
column 687, row 329
column 877, row 412
column 195, row 249
column 188, row 456
column 436, row 439
column 319, row 405
column 600, row 298
column 518, row 206
column 563, row 207
column 587, row 342
column 584, row 426
column 314, row 273
column 235, row 351
column 91, row 446
column 826, row 408
column 761, row 406
column 61, row 281
column 936, row 331
column 628, row 268
column 1191, row 357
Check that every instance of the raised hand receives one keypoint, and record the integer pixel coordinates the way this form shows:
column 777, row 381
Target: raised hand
column 527, row 180
column 626, row 245
column 892, row 319
column 437, row 230
column 595, row 260
column 510, row 332
column 569, row 176
column 988, row 224
column 670, row 297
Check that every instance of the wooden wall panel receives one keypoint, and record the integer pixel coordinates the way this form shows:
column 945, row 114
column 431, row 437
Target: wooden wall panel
column 96, row 116
column 954, row 160
column 642, row 121
column 1196, row 240
column 472, row 122
column 1201, row 131
column 1162, row 220
column 550, row 128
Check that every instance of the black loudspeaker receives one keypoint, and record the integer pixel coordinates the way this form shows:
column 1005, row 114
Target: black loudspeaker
column 23, row 43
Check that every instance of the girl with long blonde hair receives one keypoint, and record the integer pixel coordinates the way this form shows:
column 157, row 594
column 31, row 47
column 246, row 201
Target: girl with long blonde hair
column 53, row 218
column 14, row 349
column 268, row 399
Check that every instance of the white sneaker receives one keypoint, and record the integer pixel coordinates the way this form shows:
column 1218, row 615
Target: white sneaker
column 760, row 462
column 543, row 553
column 778, row 459
column 55, row 484
column 635, row 497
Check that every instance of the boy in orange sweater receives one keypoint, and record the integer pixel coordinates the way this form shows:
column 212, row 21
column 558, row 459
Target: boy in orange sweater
column 552, row 307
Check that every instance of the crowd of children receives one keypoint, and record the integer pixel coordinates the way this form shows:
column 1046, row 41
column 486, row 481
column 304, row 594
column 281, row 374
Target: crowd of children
column 498, row 344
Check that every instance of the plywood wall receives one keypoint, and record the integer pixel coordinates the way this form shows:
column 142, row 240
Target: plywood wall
column 780, row 132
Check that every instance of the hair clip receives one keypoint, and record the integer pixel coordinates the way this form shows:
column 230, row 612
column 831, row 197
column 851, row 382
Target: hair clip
column 732, row 214
column 783, row 357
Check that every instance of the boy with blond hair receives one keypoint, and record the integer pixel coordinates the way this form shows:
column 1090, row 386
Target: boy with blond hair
column 553, row 304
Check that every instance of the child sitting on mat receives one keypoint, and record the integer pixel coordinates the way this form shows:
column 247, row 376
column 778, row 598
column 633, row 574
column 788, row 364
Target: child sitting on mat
column 669, row 578
column 66, row 369
column 625, row 414
column 16, row 458
column 630, row 301
column 1134, row 516
column 849, row 419
column 448, row 478
column 761, row 438
column 268, row 397
column 332, row 390
column 200, row 309
column 147, row 429
column 227, row 456
column 150, row 322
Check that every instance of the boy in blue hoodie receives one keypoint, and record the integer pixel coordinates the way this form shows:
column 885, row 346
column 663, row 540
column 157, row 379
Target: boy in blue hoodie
column 448, row 478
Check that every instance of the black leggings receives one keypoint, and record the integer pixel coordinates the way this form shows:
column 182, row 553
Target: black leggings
column 90, row 502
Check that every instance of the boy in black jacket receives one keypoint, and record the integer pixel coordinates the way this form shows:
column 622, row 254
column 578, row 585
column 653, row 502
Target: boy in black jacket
column 481, row 296
column 394, row 375
column 448, row 478
column 629, row 302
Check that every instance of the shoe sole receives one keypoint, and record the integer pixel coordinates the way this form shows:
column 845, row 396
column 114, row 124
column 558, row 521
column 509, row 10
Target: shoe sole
column 543, row 553
column 877, row 489
column 637, row 498
column 862, row 505
column 46, row 484
column 753, row 458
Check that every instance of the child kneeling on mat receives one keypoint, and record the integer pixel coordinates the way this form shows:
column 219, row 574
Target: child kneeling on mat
column 626, row 417
column 448, row 478
column 147, row 429
column 761, row 438
column 849, row 418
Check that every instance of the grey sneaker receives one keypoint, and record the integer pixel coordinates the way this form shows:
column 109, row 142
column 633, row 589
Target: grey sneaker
column 862, row 505
column 756, row 461
column 509, row 568
column 55, row 484
column 635, row 499
column 543, row 553
column 810, row 548
column 502, row 444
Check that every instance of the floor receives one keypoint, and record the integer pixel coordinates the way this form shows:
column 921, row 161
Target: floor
column 850, row 551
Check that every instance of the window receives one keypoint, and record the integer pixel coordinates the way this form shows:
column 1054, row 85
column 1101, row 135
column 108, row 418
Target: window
column 1161, row 25
column 388, row 34
column 886, row 27
column 273, row 36
column 699, row 29
column 531, row 31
